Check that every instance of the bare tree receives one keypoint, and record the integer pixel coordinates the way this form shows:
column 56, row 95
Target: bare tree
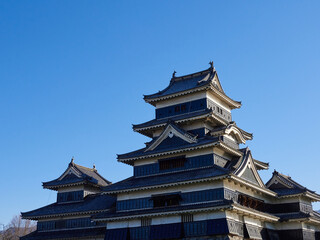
column 17, row 228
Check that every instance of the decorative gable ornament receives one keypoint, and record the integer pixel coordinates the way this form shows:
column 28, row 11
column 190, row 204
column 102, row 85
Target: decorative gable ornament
column 172, row 131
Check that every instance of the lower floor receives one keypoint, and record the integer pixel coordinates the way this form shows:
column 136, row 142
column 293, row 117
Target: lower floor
column 214, row 229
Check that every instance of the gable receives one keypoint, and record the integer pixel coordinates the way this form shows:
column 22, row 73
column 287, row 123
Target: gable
column 249, row 176
column 216, row 82
column 277, row 185
column 171, row 136
column 71, row 171
column 248, row 171
column 171, row 142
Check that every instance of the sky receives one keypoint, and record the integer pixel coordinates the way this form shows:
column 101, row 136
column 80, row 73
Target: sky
column 73, row 75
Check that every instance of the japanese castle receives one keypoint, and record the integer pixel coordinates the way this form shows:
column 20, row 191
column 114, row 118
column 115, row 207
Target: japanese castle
column 193, row 180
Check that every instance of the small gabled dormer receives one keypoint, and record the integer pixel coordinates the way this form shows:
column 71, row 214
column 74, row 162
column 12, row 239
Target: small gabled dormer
column 293, row 195
column 76, row 183
column 231, row 135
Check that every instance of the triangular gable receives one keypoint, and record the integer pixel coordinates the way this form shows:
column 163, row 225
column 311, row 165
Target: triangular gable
column 248, row 171
column 172, row 136
column 249, row 175
column 70, row 170
column 216, row 82
column 276, row 182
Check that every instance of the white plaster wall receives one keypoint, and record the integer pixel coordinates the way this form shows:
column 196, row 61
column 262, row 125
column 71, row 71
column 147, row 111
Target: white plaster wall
column 70, row 189
column 124, row 224
column 234, row 216
column 213, row 98
column 245, row 190
column 166, row 220
column 309, row 226
column 208, row 216
column 222, row 153
column 252, row 221
column 230, row 137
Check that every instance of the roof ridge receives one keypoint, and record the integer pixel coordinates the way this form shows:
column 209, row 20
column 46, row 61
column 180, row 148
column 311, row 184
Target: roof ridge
column 91, row 169
column 185, row 77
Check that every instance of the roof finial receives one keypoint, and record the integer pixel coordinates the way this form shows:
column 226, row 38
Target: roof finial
column 71, row 162
column 94, row 166
column 174, row 74
column 211, row 64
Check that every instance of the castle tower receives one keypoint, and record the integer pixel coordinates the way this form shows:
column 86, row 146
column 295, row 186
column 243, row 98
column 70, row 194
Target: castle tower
column 194, row 179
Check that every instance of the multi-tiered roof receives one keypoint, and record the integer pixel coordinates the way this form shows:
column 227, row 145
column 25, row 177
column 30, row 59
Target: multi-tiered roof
column 194, row 179
column 78, row 198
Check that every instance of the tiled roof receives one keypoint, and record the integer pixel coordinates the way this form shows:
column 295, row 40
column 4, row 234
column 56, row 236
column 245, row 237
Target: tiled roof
column 141, row 152
column 113, row 214
column 78, row 174
column 90, row 203
column 295, row 215
column 67, row 234
column 246, row 135
column 187, row 82
column 163, row 121
column 167, row 178
column 289, row 186
column 288, row 191
column 261, row 165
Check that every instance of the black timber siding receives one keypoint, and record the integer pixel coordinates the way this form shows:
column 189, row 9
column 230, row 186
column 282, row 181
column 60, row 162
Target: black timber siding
column 297, row 234
column 181, row 108
column 190, row 163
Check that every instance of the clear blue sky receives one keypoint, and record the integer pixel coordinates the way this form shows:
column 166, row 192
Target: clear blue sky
column 73, row 73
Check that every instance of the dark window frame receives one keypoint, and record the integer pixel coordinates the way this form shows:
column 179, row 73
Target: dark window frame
column 172, row 163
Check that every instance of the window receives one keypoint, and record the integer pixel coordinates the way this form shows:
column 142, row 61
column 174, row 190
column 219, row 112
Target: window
column 178, row 162
column 166, row 200
column 250, row 202
column 177, row 109
column 145, row 222
column 185, row 218
column 183, row 107
column 70, row 196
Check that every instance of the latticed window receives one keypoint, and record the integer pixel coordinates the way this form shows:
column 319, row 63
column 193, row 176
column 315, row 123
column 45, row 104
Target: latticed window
column 251, row 202
column 166, row 200
column 145, row 222
column 70, row 196
column 185, row 218
column 172, row 163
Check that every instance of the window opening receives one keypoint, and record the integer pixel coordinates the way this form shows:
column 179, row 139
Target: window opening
column 172, row 163
column 187, row 218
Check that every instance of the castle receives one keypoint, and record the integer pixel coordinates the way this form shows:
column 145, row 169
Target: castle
column 191, row 181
